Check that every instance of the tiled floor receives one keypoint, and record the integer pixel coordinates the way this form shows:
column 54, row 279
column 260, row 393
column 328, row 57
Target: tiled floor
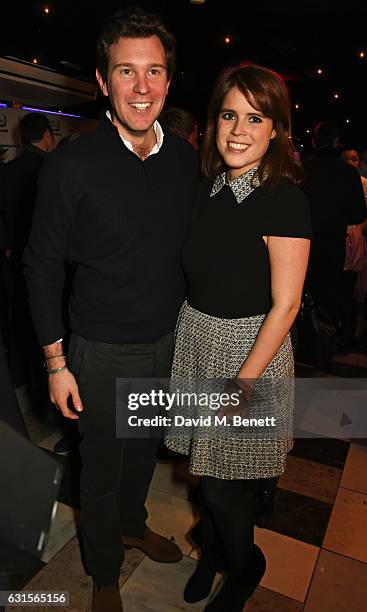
column 338, row 585
column 315, row 540
column 152, row 582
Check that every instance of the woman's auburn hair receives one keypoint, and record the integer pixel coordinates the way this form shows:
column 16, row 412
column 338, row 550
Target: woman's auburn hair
column 267, row 93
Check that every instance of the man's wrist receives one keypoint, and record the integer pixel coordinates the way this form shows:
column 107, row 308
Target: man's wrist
column 52, row 363
column 54, row 356
column 53, row 350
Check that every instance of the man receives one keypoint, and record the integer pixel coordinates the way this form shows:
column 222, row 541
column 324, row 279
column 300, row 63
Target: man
column 18, row 189
column 19, row 179
column 335, row 193
column 354, row 281
column 116, row 203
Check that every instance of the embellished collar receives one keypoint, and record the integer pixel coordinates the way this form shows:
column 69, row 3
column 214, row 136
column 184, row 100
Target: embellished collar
column 241, row 186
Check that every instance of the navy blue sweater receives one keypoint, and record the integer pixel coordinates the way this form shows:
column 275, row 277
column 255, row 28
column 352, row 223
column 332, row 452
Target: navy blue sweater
column 121, row 223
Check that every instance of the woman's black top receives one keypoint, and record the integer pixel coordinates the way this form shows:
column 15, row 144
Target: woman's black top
column 226, row 260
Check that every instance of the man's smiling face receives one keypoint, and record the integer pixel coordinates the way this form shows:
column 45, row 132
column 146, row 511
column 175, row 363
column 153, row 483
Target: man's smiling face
column 137, row 84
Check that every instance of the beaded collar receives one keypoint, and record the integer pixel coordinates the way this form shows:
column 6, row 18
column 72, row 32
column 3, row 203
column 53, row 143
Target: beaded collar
column 241, row 186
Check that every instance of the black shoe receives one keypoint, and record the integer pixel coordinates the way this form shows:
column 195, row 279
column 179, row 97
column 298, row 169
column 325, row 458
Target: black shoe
column 201, row 582
column 233, row 596
column 62, row 447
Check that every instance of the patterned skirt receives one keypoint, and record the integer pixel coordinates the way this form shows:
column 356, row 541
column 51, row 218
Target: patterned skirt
column 208, row 347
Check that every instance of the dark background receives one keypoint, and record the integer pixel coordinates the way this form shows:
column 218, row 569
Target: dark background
column 292, row 38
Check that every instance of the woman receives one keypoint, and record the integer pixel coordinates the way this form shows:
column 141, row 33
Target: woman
column 245, row 263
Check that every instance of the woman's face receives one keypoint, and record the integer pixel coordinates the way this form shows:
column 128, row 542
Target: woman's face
column 351, row 157
column 243, row 133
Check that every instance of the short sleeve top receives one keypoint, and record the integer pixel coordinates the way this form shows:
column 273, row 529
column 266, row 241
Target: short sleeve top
column 226, row 260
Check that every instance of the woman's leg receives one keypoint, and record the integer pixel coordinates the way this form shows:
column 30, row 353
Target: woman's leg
column 210, row 561
column 231, row 505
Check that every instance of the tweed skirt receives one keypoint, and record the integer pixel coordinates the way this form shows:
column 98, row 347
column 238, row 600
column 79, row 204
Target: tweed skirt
column 208, row 347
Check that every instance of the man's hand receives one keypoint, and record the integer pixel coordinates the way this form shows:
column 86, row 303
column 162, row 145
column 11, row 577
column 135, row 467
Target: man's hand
column 61, row 386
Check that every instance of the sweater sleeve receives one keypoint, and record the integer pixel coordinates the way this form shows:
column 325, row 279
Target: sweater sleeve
column 47, row 250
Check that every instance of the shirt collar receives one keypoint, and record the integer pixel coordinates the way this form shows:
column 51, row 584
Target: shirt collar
column 241, row 186
column 158, row 133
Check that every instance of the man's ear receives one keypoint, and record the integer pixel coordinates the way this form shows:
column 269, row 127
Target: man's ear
column 102, row 84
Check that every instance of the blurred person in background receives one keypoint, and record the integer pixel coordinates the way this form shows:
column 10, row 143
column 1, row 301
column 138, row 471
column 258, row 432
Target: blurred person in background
column 182, row 123
column 336, row 198
column 19, row 180
column 355, row 279
column 352, row 157
column 5, row 285
column 363, row 162
column 18, row 191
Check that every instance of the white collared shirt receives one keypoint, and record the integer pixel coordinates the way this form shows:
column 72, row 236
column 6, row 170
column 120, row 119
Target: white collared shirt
column 158, row 133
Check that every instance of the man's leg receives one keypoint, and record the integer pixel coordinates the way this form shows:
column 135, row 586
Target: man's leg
column 97, row 366
column 140, row 458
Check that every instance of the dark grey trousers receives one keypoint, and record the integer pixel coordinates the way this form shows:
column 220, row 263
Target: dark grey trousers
column 116, row 473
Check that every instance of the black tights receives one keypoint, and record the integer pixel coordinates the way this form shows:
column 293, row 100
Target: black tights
column 227, row 522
